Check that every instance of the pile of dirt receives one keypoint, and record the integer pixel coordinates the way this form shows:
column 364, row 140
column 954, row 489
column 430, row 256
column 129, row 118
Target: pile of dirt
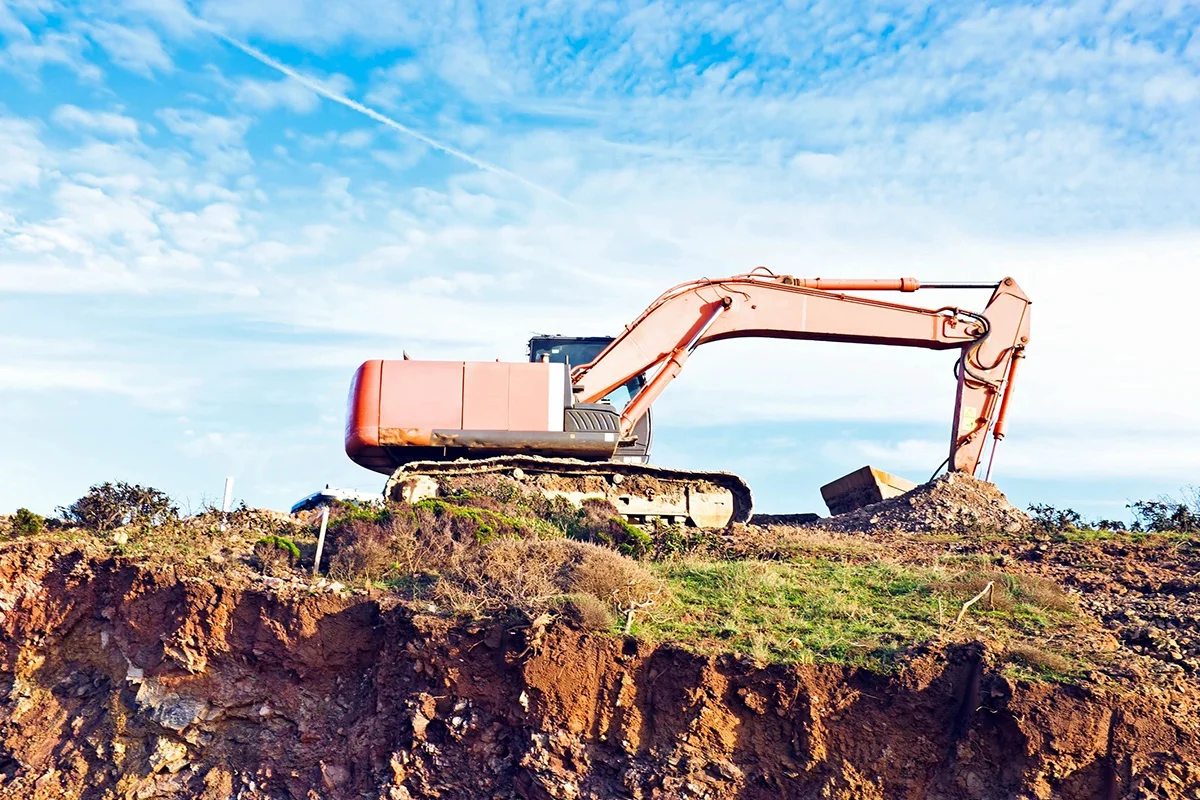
column 123, row 679
column 954, row 502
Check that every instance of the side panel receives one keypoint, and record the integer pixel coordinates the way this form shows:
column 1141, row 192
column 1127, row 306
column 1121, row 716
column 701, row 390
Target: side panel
column 401, row 411
column 535, row 397
column 486, row 404
column 421, row 394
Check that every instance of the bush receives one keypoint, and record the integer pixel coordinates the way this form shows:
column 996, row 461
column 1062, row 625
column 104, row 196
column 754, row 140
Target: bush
column 362, row 551
column 27, row 523
column 1166, row 516
column 107, row 506
column 587, row 611
column 481, row 522
column 253, row 521
column 530, row 574
column 599, row 522
column 427, row 550
column 276, row 553
column 1050, row 518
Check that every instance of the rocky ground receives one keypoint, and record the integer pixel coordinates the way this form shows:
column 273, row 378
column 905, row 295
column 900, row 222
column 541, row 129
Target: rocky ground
column 952, row 502
column 133, row 672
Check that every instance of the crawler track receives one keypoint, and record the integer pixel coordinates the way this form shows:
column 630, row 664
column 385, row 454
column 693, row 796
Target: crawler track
column 641, row 492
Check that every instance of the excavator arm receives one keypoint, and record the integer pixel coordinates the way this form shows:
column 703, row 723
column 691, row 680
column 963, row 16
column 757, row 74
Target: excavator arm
column 761, row 304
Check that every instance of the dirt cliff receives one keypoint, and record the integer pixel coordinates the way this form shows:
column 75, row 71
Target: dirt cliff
column 124, row 678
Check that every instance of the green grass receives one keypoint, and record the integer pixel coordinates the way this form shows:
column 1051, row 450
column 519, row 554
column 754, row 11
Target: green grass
column 483, row 524
column 816, row 610
column 1073, row 535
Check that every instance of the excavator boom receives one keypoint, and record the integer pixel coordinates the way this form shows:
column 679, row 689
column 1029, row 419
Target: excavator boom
column 411, row 417
column 782, row 307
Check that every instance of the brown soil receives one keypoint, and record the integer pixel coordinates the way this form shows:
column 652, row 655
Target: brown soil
column 952, row 502
column 137, row 680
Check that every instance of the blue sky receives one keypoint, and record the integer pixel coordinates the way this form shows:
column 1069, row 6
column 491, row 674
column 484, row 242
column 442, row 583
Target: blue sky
column 196, row 250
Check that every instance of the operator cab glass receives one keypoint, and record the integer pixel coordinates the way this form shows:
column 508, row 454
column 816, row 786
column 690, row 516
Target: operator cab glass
column 575, row 351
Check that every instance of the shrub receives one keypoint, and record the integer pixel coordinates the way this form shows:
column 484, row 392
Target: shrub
column 27, row 523
column 107, row 506
column 587, row 611
column 599, row 522
column 1166, row 516
column 1050, row 518
column 362, row 551
column 254, row 522
column 276, row 553
column 529, row 574
column 472, row 523
column 441, row 551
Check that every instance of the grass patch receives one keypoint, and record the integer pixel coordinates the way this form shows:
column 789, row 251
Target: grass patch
column 821, row 610
column 1035, row 662
column 805, row 611
column 1075, row 536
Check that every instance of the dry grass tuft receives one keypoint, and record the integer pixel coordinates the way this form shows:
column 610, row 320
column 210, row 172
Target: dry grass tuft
column 1036, row 658
column 1010, row 590
column 424, row 551
column 527, row 574
column 588, row 612
column 786, row 543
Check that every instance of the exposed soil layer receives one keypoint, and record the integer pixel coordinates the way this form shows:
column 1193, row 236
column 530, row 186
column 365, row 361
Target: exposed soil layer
column 951, row 502
column 132, row 680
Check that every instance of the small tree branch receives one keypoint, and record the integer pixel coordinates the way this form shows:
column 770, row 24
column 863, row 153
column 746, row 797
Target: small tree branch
column 633, row 606
column 963, row 611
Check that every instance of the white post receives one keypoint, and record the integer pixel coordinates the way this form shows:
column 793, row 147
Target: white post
column 226, row 502
column 321, row 539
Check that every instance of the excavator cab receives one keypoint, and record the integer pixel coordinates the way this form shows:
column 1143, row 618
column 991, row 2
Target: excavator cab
column 576, row 351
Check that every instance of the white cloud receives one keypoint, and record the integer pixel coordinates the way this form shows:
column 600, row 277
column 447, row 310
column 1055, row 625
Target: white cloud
column 91, row 213
column 29, row 55
column 1180, row 87
column 218, row 138
column 822, row 166
column 208, row 131
column 266, row 95
column 21, row 153
column 58, row 373
column 102, row 122
column 360, row 137
column 136, row 49
column 389, row 84
column 215, row 227
column 287, row 93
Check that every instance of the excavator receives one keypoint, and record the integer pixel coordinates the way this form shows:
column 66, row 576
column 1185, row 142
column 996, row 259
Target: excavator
column 574, row 421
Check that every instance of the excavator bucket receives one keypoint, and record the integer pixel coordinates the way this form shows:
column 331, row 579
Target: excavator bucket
column 862, row 488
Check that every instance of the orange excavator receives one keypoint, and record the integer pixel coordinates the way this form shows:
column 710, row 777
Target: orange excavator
column 574, row 421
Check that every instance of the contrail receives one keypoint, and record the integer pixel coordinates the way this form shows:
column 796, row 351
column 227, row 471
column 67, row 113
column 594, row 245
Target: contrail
column 328, row 94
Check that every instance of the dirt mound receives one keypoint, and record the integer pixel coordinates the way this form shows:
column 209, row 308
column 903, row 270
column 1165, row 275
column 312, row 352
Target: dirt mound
column 953, row 502
column 126, row 680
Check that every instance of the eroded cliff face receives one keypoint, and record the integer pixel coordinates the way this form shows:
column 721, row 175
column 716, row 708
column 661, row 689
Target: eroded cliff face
column 126, row 679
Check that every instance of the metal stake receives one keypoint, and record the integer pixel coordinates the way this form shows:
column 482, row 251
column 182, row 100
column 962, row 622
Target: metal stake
column 226, row 502
column 321, row 539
